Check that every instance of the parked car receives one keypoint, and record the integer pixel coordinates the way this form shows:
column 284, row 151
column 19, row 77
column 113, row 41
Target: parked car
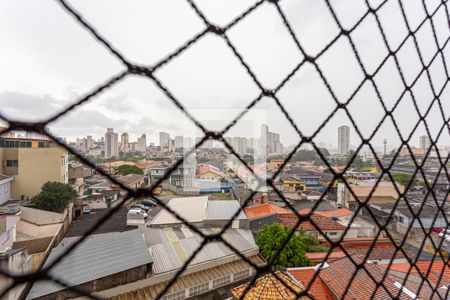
column 149, row 202
column 141, row 206
column 137, row 211
column 444, row 232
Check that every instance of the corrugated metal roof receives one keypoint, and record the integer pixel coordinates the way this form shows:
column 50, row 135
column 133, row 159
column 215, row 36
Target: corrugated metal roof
column 170, row 250
column 98, row 256
column 223, row 210
column 191, row 209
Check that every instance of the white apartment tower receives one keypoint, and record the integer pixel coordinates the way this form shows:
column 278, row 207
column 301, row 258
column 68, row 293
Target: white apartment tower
column 425, row 142
column 343, row 139
column 164, row 138
column 142, row 143
column 111, row 143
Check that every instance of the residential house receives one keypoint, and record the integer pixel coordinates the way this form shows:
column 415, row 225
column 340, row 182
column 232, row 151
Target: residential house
column 331, row 228
column 383, row 193
column 77, row 170
column 209, row 172
column 414, row 215
column 332, row 278
column 32, row 162
column 292, row 185
column 134, row 181
column 5, row 188
column 156, row 173
column 263, row 214
column 359, row 227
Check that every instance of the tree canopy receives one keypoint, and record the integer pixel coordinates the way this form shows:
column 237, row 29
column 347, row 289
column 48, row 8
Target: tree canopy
column 126, row 169
column 404, row 179
column 272, row 236
column 54, row 196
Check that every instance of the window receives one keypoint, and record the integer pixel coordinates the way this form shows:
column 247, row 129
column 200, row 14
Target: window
column 241, row 275
column 221, row 281
column 6, row 188
column 12, row 163
column 175, row 296
column 25, row 144
column 198, row 289
column 332, row 233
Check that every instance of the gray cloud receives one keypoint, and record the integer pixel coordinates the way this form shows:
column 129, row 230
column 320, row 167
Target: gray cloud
column 21, row 106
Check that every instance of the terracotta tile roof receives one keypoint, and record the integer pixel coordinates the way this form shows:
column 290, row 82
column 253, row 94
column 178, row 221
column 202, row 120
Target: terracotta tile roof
column 263, row 210
column 204, row 168
column 143, row 164
column 338, row 274
column 324, row 223
column 269, row 287
column 318, row 257
column 437, row 274
column 382, row 249
column 336, row 213
column 318, row 289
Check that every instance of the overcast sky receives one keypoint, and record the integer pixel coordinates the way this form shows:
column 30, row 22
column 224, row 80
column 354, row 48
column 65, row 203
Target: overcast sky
column 47, row 61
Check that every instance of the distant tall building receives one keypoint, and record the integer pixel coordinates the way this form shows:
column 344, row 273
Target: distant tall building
column 343, row 139
column 178, row 141
column 124, row 142
column 89, row 142
column 269, row 140
column 164, row 139
column 111, row 143
column 239, row 145
column 142, row 143
column 425, row 142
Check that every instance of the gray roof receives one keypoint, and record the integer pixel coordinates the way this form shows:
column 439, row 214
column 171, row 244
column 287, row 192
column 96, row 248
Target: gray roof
column 98, row 256
column 223, row 210
column 172, row 246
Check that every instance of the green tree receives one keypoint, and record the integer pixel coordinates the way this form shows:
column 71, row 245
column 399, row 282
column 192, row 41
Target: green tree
column 272, row 236
column 404, row 179
column 125, row 170
column 54, row 196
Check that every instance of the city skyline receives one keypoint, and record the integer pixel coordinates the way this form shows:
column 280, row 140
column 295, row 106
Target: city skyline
column 136, row 106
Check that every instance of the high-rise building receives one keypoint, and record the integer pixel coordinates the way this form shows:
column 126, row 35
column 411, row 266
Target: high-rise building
column 111, row 143
column 178, row 141
column 343, row 139
column 269, row 140
column 239, row 145
column 124, row 142
column 164, row 138
column 142, row 143
column 89, row 142
column 425, row 142
column 32, row 162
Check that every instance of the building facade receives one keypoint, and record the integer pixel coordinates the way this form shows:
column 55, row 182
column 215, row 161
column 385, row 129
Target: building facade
column 111, row 143
column 425, row 142
column 32, row 162
column 164, row 139
column 343, row 139
column 124, row 142
column 141, row 143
